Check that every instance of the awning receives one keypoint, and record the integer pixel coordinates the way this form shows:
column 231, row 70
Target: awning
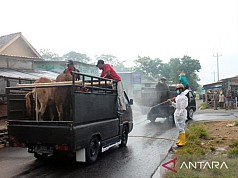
column 33, row 75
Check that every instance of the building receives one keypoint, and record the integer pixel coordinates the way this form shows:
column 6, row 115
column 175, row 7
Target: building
column 59, row 66
column 221, row 85
column 20, row 62
column 16, row 56
column 16, row 45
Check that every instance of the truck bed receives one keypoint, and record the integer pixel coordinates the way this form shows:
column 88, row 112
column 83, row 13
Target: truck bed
column 45, row 133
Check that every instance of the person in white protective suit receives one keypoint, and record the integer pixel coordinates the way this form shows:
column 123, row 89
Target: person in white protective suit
column 180, row 114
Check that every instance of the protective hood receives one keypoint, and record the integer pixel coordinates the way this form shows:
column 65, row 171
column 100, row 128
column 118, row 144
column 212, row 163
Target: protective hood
column 185, row 92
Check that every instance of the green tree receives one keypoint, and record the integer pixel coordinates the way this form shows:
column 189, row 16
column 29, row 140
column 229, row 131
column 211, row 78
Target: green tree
column 72, row 55
column 154, row 68
column 109, row 58
column 171, row 70
column 151, row 68
column 48, row 55
column 190, row 66
column 114, row 61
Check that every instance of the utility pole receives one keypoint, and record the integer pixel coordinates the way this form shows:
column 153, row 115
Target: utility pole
column 217, row 56
column 214, row 75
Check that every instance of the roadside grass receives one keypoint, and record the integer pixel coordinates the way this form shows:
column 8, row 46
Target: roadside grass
column 203, row 106
column 233, row 149
column 236, row 123
column 194, row 135
column 197, row 152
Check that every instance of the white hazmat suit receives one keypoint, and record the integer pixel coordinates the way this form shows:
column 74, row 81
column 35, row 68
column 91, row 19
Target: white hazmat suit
column 180, row 115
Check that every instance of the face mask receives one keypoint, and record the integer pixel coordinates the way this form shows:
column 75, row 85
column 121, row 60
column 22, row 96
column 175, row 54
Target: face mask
column 178, row 92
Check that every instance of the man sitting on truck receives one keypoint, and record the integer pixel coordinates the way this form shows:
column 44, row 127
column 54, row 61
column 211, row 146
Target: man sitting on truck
column 109, row 73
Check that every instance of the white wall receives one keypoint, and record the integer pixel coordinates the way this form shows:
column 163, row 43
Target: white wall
column 15, row 64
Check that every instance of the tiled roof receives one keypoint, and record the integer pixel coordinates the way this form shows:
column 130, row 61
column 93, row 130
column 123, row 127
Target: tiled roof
column 4, row 40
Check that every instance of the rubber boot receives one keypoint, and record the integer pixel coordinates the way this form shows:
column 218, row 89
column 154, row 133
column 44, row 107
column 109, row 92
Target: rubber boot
column 182, row 140
column 178, row 140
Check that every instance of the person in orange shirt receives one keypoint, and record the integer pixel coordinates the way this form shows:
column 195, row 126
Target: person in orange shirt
column 109, row 73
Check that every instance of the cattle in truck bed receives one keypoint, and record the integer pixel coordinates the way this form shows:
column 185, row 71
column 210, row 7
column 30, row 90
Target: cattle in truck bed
column 62, row 97
column 58, row 97
column 43, row 97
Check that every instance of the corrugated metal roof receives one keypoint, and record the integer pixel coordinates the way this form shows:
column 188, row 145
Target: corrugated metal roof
column 27, row 75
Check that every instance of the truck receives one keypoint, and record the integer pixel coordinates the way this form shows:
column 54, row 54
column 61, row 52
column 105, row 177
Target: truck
column 166, row 110
column 93, row 125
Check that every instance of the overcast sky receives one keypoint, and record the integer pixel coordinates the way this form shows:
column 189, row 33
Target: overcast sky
column 162, row 29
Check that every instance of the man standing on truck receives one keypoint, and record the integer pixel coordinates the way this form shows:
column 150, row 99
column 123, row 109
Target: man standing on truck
column 109, row 73
column 70, row 68
column 183, row 80
column 162, row 90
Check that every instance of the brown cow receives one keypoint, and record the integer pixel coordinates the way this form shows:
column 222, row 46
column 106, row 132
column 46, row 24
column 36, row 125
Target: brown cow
column 62, row 96
column 47, row 96
column 43, row 97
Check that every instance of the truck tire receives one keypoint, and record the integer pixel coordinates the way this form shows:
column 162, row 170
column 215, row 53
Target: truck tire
column 152, row 120
column 151, row 117
column 124, row 136
column 171, row 120
column 92, row 150
column 40, row 156
column 190, row 114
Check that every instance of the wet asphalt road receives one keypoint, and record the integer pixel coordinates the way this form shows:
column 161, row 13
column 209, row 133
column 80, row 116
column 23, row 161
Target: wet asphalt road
column 220, row 114
column 141, row 158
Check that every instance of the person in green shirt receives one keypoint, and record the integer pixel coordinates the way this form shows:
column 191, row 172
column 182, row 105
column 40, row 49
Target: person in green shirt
column 183, row 80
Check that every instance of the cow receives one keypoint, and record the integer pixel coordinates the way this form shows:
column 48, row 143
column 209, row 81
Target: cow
column 58, row 97
column 43, row 97
column 62, row 97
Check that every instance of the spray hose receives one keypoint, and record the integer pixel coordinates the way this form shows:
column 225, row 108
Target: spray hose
column 160, row 138
column 167, row 101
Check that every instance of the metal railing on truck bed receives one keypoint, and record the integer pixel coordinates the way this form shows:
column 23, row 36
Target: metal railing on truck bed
column 90, row 90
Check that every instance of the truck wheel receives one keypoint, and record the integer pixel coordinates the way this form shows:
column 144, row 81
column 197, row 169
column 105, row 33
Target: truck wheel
column 151, row 117
column 124, row 136
column 92, row 150
column 152, row 120
column 40, row 156
column 171, row 120
column 190, row 114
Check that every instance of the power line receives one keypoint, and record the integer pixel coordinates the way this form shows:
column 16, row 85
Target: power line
column 217, row 56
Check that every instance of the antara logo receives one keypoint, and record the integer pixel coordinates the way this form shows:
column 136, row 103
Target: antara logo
column 195, row 165
column 173, row 161
column 203, row 165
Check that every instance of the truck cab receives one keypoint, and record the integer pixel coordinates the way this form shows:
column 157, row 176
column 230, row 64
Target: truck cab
column 91, row 126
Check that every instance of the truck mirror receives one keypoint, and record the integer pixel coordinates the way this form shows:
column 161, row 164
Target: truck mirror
column 131, row 102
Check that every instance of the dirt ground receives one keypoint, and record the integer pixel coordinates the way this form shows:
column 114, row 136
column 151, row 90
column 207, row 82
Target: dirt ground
column 221, row 134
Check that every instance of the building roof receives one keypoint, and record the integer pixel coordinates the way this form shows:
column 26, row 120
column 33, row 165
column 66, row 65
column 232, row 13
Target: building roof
column 211, row 86
column 235, row 77
column 7, row 40
column 221, row 81
column 32, row 75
